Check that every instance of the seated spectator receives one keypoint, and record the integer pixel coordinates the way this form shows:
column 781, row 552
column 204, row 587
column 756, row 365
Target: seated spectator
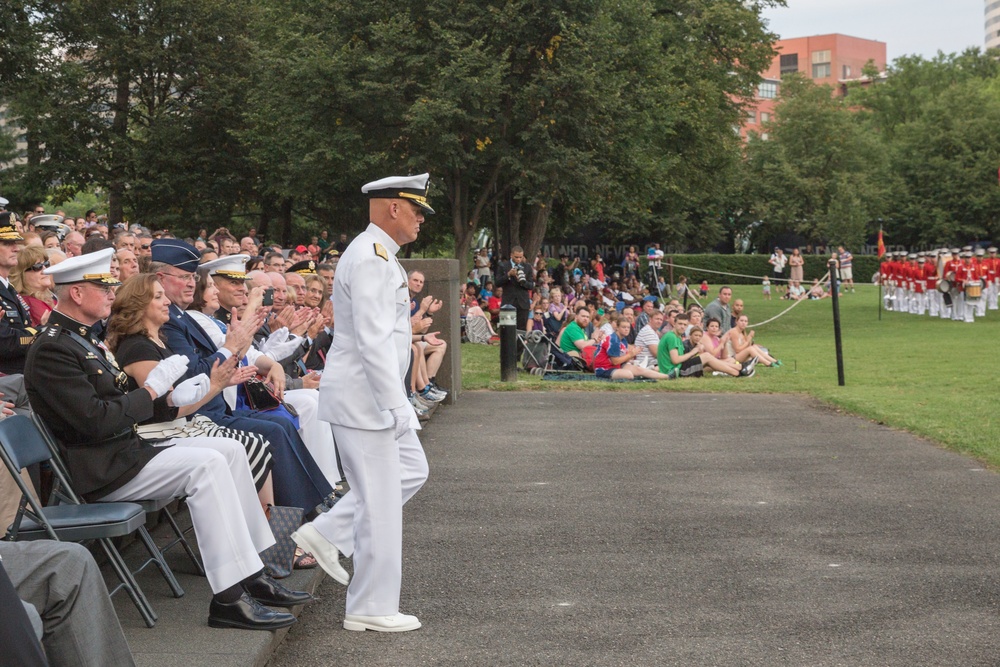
column 713, row 342
column 61, row 587
column 574, row 338
column 614, row 357
column 315, row 291
column 274, row 262
column 676, row 361
column 743, row 346
column 537, row 320
column 486, row 292
column 648, row 341
column 493, row 304
column 817, row 291
column 34, row 286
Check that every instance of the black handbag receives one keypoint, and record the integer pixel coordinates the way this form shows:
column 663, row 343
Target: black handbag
column 260, row 395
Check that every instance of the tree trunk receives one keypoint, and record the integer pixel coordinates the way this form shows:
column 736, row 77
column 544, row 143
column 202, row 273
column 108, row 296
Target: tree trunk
column 264, row 221
column 119, row 150
column 285, row 217
column 535, row 225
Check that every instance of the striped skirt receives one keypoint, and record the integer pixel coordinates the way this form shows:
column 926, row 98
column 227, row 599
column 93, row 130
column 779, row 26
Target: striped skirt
column 257, row 447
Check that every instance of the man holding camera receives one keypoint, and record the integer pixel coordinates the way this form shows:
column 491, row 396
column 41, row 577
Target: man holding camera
column 517, row 279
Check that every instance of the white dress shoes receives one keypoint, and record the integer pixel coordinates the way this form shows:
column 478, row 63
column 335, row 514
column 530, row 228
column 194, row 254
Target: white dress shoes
column 395, row 623
column 325, row 553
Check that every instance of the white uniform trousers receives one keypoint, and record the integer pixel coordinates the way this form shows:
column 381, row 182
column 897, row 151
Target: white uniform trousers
column 315, row 434
column 383, row 474
column 228, row 521
column 934, row 302
column 991, row 296
column 980, row 306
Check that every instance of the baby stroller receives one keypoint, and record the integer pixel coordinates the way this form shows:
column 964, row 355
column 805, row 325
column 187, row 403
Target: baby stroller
column 542, row 355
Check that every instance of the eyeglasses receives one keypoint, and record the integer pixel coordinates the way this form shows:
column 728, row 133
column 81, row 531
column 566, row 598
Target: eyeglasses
column 39, row 266
column 145, row 246
column 188, row 278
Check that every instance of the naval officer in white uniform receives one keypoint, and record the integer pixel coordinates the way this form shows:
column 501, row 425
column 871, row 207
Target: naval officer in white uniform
column 363, row 397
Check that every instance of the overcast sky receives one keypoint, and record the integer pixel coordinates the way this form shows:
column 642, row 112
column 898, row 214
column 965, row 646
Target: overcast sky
column 921, row 27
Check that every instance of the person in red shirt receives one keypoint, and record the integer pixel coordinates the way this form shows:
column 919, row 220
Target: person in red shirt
column 980, row 262
column 965, row 272
column 918, row 304
column 948, row 270
column 614, row 357
column 931, row 281
column 992, row 276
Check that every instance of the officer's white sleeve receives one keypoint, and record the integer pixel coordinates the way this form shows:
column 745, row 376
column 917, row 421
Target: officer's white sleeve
column 372, row 285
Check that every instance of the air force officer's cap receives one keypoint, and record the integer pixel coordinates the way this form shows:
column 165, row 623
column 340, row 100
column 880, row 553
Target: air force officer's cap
column 94, row 267
column 230, row 266
column 413, row 188
column 175, row 253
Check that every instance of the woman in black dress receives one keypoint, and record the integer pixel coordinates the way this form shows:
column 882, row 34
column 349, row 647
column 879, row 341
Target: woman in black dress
column 140, row 309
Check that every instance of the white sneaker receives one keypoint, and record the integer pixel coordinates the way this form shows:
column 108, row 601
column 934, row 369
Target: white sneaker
column 394, row 623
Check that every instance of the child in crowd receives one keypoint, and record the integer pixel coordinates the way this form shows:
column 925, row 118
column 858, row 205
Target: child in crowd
column 487, row 291
column 703, row 290
column 766, row 285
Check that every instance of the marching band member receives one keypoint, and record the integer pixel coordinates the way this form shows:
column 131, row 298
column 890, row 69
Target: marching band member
column 931, row 281
column 993, row 274
column 948, row 273
column 979, row 261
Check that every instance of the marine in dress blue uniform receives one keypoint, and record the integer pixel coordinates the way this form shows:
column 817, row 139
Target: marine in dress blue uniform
column 362, row 395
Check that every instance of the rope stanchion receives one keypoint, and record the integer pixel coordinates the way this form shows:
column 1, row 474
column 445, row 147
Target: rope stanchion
column 786, row 310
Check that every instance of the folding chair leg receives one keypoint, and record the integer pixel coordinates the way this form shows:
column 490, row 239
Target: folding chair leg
column 183, row 541
column 156, row 557
column 128, row 582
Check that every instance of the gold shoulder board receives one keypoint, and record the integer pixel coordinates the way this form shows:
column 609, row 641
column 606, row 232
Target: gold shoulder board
column 381, row 252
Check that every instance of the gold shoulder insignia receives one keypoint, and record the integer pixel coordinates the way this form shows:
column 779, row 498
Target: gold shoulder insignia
column 381, row 252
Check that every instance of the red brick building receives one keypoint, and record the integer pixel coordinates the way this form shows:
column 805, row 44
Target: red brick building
column 831, row 60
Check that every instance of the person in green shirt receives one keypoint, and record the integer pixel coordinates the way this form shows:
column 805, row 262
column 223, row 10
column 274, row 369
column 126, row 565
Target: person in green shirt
column 573, row 338
column 675, row 362
column 324, row 241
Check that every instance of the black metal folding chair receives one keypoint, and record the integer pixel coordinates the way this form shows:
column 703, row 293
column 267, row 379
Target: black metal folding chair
column 22, row 445
column 150, row 506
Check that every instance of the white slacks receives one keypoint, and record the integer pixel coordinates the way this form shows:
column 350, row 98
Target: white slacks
column 228, row 521
column 315, row 434
column 383, row 474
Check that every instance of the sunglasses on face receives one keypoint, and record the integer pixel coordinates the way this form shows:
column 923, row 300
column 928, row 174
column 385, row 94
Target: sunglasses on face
column 39, row 266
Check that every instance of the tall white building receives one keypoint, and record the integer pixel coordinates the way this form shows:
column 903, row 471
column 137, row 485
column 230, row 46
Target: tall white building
column 10, row 126
column 992, row 24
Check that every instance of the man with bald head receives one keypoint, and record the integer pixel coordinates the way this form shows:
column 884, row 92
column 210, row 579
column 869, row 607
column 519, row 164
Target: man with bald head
column 73, row 244
column 362, row 395
column 248, row 247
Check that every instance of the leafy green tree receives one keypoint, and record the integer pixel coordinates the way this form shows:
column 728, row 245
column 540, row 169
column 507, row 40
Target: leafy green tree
column 138, row 97
column 566, row 112
column 822, row 173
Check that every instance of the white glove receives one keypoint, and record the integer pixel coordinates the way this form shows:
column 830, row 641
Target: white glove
column 191, row 391
column 276, row 338
column 168, row 371
column 402, row 419
column 281, row 351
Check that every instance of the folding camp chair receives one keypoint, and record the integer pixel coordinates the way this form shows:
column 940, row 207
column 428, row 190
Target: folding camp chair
column 22, row 445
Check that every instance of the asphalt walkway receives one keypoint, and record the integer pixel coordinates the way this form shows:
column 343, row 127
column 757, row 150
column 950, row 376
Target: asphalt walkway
column 676, row 529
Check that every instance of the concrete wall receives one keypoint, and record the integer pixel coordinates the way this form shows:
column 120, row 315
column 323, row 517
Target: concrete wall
column 442, row 281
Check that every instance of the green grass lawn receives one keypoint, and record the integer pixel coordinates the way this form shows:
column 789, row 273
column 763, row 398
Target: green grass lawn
column 932, row 377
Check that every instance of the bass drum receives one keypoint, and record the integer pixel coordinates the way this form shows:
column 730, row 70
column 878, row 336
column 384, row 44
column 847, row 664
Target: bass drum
column 944, row 286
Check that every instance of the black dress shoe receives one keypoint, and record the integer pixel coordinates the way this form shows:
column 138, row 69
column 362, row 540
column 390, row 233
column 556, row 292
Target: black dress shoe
column 267, row 591
column 248, row 614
